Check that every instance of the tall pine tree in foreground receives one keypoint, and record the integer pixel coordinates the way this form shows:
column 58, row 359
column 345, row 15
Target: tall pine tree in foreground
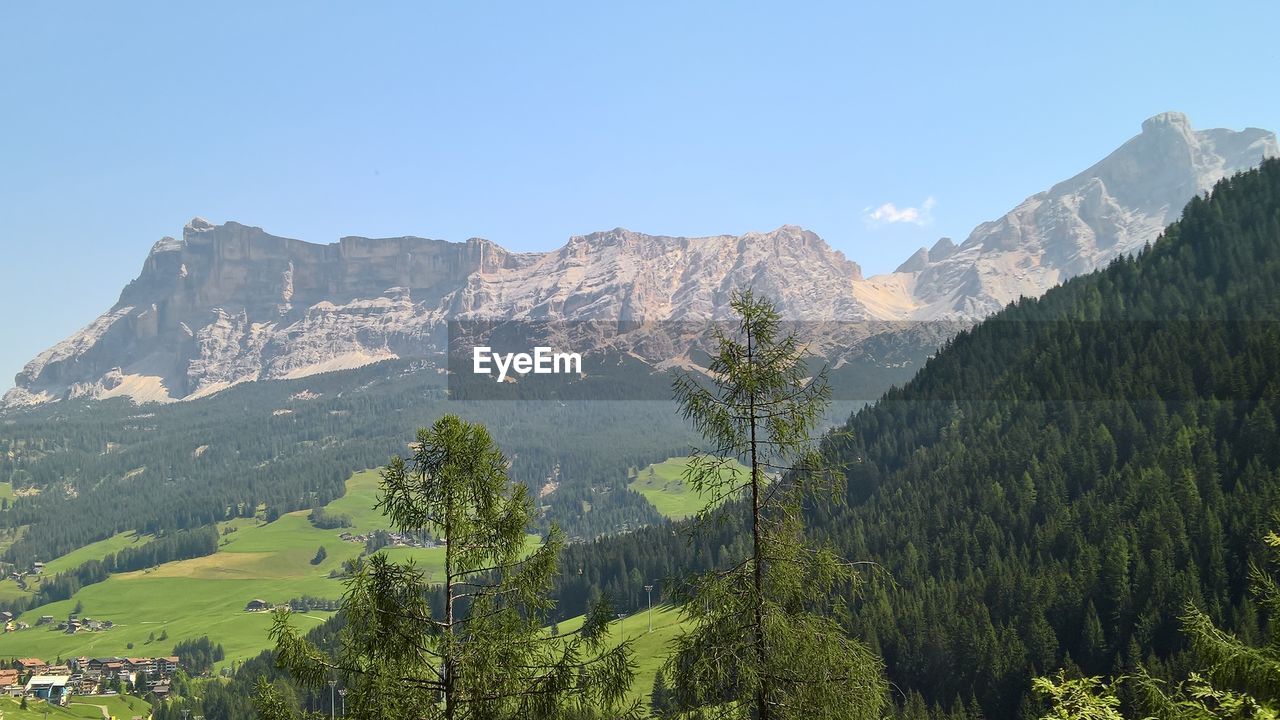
column 485, row 654
column 763, row 643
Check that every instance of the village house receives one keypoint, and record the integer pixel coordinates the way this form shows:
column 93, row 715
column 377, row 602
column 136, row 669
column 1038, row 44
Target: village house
column 52, row 688
column 9, row 683
column 160, row 689
column 85, row 684
column 144, row 666
column 257, row 605
column 29, row 666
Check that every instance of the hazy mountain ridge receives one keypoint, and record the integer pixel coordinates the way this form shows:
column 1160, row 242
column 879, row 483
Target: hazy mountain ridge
column 229, row 303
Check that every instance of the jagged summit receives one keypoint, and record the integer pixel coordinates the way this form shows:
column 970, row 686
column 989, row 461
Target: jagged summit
column 1170, row 119
column 232, row 302
column 1112, row 208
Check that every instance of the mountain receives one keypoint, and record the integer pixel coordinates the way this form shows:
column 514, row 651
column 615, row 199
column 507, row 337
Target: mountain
column 230, row 303
column 1056, row 484
column 1111, row 209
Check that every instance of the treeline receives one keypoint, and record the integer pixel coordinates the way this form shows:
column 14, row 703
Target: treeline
column 307, row 603
column 108, row 467
column 328, row 521
column 232, row 699
column 182, row 545
column 199, row 655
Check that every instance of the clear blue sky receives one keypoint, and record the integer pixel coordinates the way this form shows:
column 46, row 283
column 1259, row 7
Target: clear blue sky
column 530, row 122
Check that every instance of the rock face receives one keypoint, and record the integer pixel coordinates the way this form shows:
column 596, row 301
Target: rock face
column 229, row 303
column 1080, row 224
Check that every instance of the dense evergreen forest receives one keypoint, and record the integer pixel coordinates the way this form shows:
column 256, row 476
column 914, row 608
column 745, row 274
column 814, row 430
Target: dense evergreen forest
column 1057, row 482
column 108, row 467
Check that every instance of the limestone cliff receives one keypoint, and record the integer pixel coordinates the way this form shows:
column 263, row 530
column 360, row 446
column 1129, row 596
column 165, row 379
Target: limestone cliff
column 229, row 303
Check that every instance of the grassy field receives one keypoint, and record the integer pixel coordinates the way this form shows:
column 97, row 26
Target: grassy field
column 9, row 589
column 651, row 648
column 122, row 707
column 206, row 596
column 87, row 707
column 664, row 486
column 95, row 551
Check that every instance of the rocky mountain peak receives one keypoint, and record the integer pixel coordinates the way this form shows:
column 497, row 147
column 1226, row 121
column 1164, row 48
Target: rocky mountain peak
column 231, row 302
column 196, row 225
column 1113, row 207
column 941, row 250
column 1170, row 120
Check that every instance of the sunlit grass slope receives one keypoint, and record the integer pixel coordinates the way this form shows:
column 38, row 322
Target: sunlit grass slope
column 663, row 484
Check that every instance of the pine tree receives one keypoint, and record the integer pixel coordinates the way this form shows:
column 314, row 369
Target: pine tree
column 485, row 653
column 757, row 647
column 1094, row 641
column 660, row 698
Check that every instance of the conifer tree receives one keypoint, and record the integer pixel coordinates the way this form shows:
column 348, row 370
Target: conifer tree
column 485, row 653
column 1239, row 680
column 760, row 647
column 660, row 698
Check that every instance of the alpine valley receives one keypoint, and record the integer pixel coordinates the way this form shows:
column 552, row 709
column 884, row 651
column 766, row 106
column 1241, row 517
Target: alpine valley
column 1075, row 431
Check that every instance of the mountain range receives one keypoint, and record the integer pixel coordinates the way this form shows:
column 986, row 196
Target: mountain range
column 232, row 303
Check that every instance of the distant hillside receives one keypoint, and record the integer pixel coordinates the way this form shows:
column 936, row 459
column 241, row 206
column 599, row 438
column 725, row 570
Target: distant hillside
column 86, row 471
column 1054, row 485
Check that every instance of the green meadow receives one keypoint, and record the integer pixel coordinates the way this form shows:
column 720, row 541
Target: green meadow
column 651, row 648
column 255, row 560
column 207, row 596
column 9, row 589
column 664, row 486
column 82, row 707
column 95, row 551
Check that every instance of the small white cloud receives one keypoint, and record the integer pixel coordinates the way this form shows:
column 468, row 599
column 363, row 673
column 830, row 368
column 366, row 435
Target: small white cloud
column 888, row 213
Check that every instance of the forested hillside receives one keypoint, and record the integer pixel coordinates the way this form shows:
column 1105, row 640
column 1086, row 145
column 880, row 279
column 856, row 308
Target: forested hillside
column 1054, row 485
column 85, row 471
